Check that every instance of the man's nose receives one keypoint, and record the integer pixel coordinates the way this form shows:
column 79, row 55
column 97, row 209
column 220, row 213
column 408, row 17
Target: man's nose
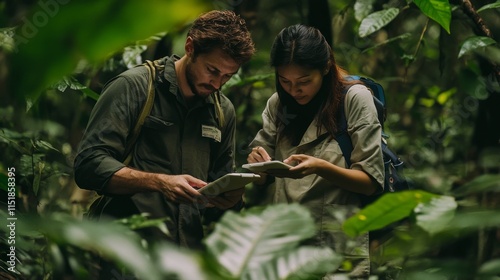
column 216, row 82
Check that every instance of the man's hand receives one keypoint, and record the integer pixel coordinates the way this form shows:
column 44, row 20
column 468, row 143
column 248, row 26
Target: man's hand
column 181, row 188
column 228, row 199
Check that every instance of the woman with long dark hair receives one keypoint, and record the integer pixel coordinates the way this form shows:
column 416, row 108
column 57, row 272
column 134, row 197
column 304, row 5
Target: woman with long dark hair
column 300, row 124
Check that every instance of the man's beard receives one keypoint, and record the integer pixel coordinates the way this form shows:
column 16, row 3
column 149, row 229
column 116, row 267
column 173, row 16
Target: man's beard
column 191, row 82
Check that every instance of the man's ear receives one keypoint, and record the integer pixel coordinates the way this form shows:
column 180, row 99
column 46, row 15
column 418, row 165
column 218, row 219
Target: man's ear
column 189, row 46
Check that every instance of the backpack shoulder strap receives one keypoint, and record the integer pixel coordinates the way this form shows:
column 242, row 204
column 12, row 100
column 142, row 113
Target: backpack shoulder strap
column 342, row 136
column 146, row 110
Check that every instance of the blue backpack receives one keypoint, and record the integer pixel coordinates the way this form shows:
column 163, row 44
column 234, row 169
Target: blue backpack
column 394, row 178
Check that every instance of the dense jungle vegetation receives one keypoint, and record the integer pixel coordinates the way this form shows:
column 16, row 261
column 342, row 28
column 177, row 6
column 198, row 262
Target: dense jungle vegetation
column 438, row 60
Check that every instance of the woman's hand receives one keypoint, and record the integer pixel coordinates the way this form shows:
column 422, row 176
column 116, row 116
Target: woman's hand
column 258, row 154
column 305, row 165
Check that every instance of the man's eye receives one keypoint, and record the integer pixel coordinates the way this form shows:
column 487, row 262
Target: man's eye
column 285, row 82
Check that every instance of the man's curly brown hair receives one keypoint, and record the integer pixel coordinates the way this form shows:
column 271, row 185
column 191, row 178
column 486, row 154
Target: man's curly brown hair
column 225, row 30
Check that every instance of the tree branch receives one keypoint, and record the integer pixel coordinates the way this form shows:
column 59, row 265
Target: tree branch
column 485, row 31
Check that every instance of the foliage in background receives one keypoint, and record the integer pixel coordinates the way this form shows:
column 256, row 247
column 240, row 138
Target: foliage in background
column 430, row 55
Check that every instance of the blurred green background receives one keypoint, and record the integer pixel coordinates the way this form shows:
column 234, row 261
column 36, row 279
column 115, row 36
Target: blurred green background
column 438, row 63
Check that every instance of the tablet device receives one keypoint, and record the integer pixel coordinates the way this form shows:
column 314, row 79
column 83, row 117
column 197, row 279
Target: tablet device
column 228, row 182
column 266, row 165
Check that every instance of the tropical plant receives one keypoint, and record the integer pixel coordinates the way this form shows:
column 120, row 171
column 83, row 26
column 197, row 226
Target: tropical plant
column 262, row 243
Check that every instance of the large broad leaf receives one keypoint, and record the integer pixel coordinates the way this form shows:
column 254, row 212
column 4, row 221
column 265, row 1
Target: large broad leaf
column 113, row 241
column 302, row 263
column 435, row 215
column 245, row 244
column 53, row 39
column 475, row 43
column 377, row 20
column 388, row 209
column 483, row 183
column 176, row 263
column 438, row 10
column 490, row 268
column 474, row 220
column 495, row 5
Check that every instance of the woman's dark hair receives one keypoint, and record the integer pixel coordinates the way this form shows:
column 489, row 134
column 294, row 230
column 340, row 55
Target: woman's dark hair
column 306, row 47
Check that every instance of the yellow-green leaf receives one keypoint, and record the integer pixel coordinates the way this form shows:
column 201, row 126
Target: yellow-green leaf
column 438, row 10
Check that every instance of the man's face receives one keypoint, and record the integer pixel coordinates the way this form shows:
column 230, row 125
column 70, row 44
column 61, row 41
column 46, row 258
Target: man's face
column 208, row 72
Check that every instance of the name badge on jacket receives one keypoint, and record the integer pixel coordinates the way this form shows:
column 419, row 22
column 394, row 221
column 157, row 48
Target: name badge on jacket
column 211, row 132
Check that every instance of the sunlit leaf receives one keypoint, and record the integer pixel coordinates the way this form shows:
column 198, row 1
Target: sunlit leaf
column 389, row 208
column 435, row 215
column 376, row 21
column 495, row 5
column 444, row 96
column 438, row 10
column 427, row 102
column 86, row 30
column 481, row 184
column 362, row 8
column 475, row 43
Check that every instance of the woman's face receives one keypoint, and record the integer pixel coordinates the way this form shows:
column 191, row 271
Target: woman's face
column 300, row 83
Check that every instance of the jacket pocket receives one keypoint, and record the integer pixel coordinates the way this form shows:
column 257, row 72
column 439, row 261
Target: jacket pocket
column 157, row 123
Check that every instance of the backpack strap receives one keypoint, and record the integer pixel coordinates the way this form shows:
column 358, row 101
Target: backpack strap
column 342, row 136
column 146, row 110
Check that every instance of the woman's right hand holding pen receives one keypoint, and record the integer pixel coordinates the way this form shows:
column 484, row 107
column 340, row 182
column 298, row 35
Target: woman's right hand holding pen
column 259, row 154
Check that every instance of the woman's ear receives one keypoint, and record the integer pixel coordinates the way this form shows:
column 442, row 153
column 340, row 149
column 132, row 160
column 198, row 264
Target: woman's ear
column 327, row 69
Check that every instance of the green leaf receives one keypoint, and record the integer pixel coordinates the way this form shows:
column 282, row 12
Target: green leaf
column 444, row 96
column 305, row 262
column 389, row 208
column 245, row 243
column 376, row 21
column 436, row 214
column 87, row 30
column 362, row 8
column 474, row 220
column 490, row 6
column 481, row 184
column 3, row 182
column 474, row 43
column 390, row 40
column 141, row 221
column 114, row 242
column 438, row 10
column 180, row 262
column 490, row 268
